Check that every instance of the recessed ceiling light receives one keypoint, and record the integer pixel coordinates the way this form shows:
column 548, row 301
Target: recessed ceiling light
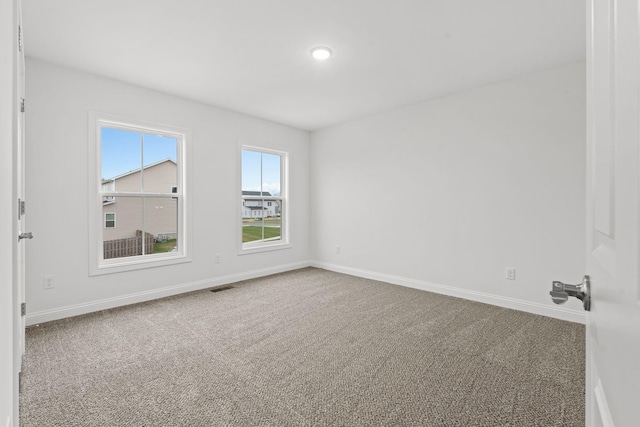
column 321, row 53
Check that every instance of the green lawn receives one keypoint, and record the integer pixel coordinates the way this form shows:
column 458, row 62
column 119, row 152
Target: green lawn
column 159, row 248
column 252, row 233
column 267, row 221
column 249, row 234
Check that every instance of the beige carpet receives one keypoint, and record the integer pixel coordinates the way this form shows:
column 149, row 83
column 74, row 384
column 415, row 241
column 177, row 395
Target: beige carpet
column 305, row 348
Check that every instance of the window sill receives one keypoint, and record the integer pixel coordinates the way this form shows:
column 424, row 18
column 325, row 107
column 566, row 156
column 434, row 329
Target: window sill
column 262, row 247
column 137, row 264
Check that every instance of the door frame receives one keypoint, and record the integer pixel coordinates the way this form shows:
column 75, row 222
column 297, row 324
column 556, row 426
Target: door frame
column 9, row 293
column 19, row 185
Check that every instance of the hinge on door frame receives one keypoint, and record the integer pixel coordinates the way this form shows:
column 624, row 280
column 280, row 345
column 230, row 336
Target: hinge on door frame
column 21, row 208
column 19, row 38
column 23, row 309
column 22, row 102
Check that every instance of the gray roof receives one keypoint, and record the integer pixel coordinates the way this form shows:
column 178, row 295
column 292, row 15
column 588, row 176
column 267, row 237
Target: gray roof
column 104, row 181
column 255, row 193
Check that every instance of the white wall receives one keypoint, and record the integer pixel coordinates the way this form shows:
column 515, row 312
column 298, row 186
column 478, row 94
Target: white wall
column 442, row 195
column 59, row 100
column 451, row 191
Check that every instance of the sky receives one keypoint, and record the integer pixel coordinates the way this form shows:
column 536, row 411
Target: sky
column 260, row 167
column 121, row 151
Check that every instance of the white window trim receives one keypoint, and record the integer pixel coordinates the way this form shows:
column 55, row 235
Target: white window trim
column 99, row 266
column 105, row 219
column 285, row 173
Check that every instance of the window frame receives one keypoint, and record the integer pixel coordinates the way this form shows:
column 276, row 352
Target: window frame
column 285, row 241
column 97, row 264
column 108, row 220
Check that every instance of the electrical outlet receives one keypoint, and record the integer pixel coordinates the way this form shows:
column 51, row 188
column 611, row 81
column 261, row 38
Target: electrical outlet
column 337, row 249
column 217, row 258
column 510, row 273
column 47, row 282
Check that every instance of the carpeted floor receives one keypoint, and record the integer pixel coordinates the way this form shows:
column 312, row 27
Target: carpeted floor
column 305, row 348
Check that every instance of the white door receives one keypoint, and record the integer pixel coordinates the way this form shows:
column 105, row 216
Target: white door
column 613, row 216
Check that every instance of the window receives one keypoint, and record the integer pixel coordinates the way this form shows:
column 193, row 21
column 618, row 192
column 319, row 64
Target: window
column 109, row 220
column 139, row 176
column 264, row 202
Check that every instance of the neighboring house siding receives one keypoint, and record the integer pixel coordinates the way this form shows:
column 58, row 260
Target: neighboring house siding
column 128, row 218
column 160, row 212
column 257, row 208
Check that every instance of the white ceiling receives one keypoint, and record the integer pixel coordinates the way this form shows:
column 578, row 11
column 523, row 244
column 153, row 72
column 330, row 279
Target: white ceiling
column 252, row 56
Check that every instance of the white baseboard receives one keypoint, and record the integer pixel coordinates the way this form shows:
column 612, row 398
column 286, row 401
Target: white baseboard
column 516, row 304
column 89, row 307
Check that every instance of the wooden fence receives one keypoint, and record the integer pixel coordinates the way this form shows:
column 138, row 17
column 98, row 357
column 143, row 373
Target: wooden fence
column 130, row 246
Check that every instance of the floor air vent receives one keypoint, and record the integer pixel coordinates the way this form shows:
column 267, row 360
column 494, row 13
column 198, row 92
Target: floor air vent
column 222, row 288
